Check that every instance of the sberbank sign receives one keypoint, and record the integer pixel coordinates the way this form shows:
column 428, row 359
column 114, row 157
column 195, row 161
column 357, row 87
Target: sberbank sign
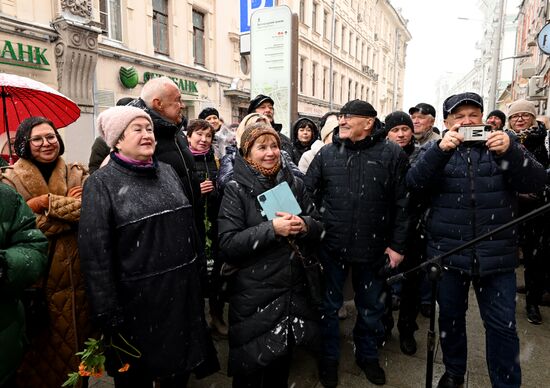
column 24, row 55
column 184, row 85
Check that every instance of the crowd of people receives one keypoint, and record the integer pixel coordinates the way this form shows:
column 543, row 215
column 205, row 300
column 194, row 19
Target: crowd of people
column 169, row 213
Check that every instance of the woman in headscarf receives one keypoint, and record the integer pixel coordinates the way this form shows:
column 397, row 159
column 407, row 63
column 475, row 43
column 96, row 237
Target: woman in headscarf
column 138, row 245
column 304, row 134
column 53, row 190
column 269, row 313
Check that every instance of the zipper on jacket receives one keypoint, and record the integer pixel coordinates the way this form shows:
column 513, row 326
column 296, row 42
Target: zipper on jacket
column 474, row 261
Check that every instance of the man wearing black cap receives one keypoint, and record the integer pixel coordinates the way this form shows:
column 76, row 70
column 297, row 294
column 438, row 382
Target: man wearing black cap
column 423, row 117
column 473, row 189
column 357, row 183
column 496, row 119
column 264, row 105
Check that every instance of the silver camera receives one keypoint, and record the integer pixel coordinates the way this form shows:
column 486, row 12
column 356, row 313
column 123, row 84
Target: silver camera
column 474, row 133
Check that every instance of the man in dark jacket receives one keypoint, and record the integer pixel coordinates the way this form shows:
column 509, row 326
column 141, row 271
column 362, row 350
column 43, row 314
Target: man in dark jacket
column 161, row 99
column 473, row 189
column 264, row 105
column 358, row 184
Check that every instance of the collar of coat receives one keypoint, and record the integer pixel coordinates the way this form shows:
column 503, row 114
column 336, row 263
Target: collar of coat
column 29, row 182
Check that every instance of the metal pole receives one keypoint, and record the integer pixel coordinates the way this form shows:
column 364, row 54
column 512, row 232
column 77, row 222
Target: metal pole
column 331, row 75
column 496, row 57
column 6, row 127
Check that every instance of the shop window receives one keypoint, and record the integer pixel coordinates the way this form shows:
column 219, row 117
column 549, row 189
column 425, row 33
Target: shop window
column 198, row 38
column 160, row 26
column 110, row 17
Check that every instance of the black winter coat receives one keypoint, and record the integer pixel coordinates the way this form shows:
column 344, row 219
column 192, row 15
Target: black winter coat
column 136, row 246
column 100, row 150
column 360, row 190
column 267, row 301
column 472, row 192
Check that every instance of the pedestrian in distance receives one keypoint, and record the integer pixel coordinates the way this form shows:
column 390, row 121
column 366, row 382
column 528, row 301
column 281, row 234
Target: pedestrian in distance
column 358, row 185
column 423, row 117
column 304, row 133
column 138, row 244
column 23, row 260
column 269, row 312
column 472, row 188
column 496, row 119
column 329, row 121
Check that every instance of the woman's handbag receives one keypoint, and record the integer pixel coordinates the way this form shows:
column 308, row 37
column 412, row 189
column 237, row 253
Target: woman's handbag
column 315, row 280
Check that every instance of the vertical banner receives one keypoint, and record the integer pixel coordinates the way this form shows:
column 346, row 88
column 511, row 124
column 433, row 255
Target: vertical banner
column 273, row 52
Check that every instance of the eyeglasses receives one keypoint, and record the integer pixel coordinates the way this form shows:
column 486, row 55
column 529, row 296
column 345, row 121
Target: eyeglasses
column 38, row 141
column 347, row 116
column 523, row 116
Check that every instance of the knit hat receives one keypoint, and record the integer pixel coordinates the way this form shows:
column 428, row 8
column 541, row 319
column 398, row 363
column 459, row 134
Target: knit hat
column 328, row 128
column 359, row 108
column 252, row 133
column 24, row 130
column 398, row 118
column 112, row 122
column 522, row 106
column 498, row 113
column 208, row 112
column 257, row 101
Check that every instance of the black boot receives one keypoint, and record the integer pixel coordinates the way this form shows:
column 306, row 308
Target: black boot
column 328, row 373
column 533, row 314
column 450, row 381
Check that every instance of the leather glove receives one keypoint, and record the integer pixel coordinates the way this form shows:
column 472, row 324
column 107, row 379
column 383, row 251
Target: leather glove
column 75, row 192
column 40, row 203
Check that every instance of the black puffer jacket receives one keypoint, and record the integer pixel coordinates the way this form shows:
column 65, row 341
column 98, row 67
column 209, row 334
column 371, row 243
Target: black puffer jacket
column 172, row 148
column 267, row 301
column 472, row 192
column 141, row 272
column 360, row 190
column 206, row 166
column 299, row 148
column 534, row 139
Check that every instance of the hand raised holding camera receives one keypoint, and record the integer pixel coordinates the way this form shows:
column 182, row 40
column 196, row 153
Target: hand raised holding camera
column 498, row 142
column 452, row 139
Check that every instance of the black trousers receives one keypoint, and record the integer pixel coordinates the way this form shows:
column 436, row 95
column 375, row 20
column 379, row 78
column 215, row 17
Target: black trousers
column 274, row 375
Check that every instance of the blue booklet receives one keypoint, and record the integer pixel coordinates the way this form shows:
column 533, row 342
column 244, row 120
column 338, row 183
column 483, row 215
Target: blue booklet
column 278, row 199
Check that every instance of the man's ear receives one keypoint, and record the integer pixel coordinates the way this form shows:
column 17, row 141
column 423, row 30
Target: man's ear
column 157, row 104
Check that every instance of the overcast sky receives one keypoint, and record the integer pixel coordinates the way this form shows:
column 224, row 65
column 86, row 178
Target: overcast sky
column 440, row 43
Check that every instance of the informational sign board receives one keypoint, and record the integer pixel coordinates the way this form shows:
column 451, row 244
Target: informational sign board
column 543, row 39
column 273, row 53
column 247, row 8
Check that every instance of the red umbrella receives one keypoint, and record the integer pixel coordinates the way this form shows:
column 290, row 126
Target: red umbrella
column 23, row 97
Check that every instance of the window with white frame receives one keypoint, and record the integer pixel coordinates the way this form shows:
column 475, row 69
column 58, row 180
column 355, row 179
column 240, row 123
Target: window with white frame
column 198, row 38
column 110, row 18
column 160, row 26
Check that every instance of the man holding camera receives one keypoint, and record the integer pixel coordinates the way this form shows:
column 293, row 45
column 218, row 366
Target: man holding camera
column 473, row 187
column 358, row 185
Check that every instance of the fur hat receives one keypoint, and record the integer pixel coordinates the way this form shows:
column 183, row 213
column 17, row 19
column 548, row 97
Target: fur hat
column 398, row 118
column 522, row 106
column 328, row 128
column 252, row 133
column 112, row 122
column 21, row 144
column 208, row 112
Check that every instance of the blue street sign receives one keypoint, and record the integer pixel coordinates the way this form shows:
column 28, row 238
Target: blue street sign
column 249, row 6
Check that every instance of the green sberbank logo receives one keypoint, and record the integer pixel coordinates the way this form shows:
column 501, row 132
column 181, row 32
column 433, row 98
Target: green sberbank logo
column 128, row 76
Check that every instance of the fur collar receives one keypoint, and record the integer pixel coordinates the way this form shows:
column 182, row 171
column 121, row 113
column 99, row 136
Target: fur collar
column 28, row 180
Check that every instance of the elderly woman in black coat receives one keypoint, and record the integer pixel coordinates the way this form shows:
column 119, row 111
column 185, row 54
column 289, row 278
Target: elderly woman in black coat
column 269, row 312
column 137, row 244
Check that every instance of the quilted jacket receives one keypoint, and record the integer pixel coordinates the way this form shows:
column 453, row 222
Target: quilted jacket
column 52, row 353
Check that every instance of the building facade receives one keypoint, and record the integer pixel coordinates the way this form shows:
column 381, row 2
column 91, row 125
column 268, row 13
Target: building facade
column 98, row 51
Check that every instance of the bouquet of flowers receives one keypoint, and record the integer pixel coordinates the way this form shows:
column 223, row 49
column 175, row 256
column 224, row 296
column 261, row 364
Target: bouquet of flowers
column 92, row 358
